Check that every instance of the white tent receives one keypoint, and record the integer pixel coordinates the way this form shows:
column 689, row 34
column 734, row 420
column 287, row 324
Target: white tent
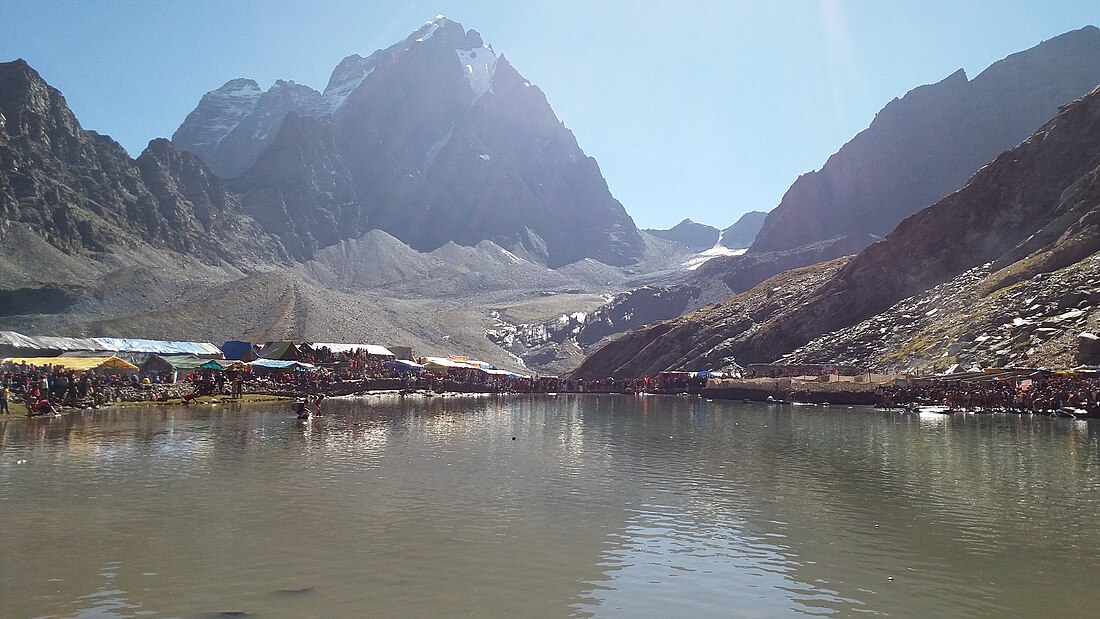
column 371, row 349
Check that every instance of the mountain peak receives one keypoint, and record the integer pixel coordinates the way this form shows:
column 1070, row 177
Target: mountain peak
column 430, row 27
column 29, row 105
column 18, row 76
column 925, row 145
column 238, row 87
column 695, row 236
column 433, row 139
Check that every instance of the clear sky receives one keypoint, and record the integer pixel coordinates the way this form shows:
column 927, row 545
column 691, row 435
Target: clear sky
column 692, row 109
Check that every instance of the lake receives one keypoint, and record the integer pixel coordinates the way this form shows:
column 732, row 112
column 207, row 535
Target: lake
column 544, row 506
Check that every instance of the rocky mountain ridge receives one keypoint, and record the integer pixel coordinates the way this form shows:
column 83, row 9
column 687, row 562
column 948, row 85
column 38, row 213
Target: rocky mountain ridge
column 434, row 139
column 695, row 236
column 919, row 148
column 97, row 243
column 81, row 192
column 923, row 146
column 743, row 232
column 1032, row 215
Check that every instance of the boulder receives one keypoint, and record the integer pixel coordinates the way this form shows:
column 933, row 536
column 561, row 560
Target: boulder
column 1073, row 299
column 1088, row 348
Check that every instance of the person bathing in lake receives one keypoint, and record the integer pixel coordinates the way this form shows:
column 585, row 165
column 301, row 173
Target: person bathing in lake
column 300, row 409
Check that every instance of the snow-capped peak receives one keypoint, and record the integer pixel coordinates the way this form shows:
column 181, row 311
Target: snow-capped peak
column 428, row 29
column 241, row 87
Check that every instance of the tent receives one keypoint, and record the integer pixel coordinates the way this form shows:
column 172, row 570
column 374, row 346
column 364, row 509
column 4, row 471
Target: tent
column 370, row 349
column 224, row 365
column 78, row 364
column 281, row 364
column 441, row 364
column 38, row 345
column 242, row 351
column 160, row 347
column 285, row 351
column 506, row 373
column 137, row 358
column 182, row 363
column 401, row 365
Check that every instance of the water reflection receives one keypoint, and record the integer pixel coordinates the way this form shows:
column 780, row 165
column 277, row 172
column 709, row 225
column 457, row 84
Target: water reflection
column 544, row 506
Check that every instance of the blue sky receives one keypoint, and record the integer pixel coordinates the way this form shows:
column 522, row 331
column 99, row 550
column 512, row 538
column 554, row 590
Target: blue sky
column 692, row 109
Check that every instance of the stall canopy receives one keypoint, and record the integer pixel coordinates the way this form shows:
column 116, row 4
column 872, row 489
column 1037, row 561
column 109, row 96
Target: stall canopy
column 181, row 363
column 117, row 344
column 223, row 365
column 79, row 364
column 238, row 350
column 370, row 349
column 285, row 351
column 442, row 364
column 184, row 363
column 401, row 365
column 10, row 340
column 282, row 364
column 137, row 358
column 506, row 373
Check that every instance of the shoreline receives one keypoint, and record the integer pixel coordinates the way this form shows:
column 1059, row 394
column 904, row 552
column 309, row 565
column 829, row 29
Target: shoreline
column 797, row 391
column 201, row 402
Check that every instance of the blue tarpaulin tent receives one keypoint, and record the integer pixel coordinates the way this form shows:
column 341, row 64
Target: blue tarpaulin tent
column 401, row 365
column 240, row 351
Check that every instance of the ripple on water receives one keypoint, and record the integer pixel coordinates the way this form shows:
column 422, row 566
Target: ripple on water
column 602, row 505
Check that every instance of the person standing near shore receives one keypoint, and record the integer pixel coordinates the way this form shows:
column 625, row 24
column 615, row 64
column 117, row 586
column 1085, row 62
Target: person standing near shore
column 4, row 400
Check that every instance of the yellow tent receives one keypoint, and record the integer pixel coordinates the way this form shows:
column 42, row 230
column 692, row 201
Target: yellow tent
column 78, row 364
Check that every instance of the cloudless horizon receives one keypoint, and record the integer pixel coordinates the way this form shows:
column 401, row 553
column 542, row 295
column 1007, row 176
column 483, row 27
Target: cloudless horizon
column 700, row 110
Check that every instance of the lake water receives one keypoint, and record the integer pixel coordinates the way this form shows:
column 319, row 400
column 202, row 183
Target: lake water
column 611, row 506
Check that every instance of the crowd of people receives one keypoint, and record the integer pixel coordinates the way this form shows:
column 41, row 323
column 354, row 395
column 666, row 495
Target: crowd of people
column 1042, row 394
column 44, row 389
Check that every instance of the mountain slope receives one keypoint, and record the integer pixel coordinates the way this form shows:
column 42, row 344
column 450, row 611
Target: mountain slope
column 743, row 232
column 695, row 236
column 925, row 145
column 433, row 140
column 232, row 125
column 918, row 149
column 81, row 192
column 1032, row 214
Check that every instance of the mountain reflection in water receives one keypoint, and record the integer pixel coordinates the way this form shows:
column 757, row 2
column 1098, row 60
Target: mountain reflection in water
column 602, row 506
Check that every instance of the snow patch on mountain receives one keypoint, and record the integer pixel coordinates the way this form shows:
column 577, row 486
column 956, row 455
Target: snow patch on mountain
column 429, row 158
column 240, row 88
column 225, row 107
column 479, row 65
column 700, row 258
column 347, row 77
column 428, row 29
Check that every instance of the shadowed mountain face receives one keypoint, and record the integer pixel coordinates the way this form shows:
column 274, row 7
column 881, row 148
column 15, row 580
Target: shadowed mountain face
column 694, row 236
column 743, row 232
column 234, row 124
column 93, row 242
column 925, row 145
column 1029, row 216
column 435, row 139
column 918, row 149
column 81, row 192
